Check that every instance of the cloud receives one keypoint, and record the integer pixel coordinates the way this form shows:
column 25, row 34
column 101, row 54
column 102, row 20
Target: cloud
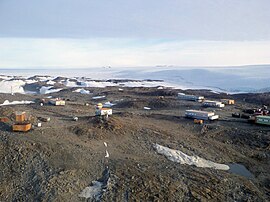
column 40, row 52
column 222, row 20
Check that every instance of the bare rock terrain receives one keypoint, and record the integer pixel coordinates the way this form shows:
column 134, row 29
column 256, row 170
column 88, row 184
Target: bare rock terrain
column 56, row 161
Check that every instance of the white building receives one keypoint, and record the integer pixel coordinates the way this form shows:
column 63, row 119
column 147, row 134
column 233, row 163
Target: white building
column 103, row 112
column 183, row 96
column 203, row 115
column 209, row 103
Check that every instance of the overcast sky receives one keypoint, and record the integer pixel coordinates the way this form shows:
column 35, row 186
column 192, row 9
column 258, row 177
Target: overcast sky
column 88, row 33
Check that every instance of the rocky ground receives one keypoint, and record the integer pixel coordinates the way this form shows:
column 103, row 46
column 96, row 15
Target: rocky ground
column 57, row 161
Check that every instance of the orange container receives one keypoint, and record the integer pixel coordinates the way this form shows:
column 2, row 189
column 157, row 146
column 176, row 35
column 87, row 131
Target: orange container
column 4, row 119
column 22, row 127
column 198, row 121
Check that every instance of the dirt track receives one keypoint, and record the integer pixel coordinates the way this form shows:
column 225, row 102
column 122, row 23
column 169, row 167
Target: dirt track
column 58, row 160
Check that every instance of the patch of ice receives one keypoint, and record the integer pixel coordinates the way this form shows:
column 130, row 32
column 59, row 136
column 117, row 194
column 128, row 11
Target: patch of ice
column 82, row 91
column 44, row 78
column 50, row 82
column 108, row 104
column 47, row 90
column 16, row 102
column 182, row 158
column 13, row 86
column 70, row 83
column 98, row 97
column 96, row 84
column 215, row 92
column 97, row 188
column 29, row 81
column 146, row 108
column 93, row 192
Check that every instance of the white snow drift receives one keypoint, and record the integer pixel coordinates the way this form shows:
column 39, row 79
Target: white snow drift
column 23, row 102
column 14, row 86
column 47, row 90
column 82, row 91
column 182, row 158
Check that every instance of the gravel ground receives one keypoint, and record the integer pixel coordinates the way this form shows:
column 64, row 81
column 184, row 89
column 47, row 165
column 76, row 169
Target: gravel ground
column 57, row 161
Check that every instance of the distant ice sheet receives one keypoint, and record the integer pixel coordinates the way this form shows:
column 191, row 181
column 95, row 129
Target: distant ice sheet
column 246, row 79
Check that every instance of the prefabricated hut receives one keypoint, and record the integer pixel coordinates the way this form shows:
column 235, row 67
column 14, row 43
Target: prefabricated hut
column 57, row 102
column 183, row 96
column 201, row 115
column 209, row 103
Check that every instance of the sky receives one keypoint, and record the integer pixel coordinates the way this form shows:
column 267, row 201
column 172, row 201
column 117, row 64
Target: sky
column 91, row 33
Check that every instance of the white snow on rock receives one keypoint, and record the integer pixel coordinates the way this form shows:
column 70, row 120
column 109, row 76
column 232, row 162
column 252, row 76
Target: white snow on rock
column 50, row 82
column 68, row 83
column 14, row 86
column 93, row 192
column 108, row 104
column 146, row 108
column 47, row 90
column 82, row 91
column 182, row 158
column 99, row 97
column 16, row 102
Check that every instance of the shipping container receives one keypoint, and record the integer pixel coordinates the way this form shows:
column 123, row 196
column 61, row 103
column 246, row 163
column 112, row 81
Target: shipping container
column 183, row 96
column 209, row 103
column 21, row 127
column 203, row 115
column 57, row 102
column 265, row 120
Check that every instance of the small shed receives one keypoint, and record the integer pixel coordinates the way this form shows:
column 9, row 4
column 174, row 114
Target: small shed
column 228, row 101
column 57, row 102
column 209, row 103
column 103, row 112
column 195, row 98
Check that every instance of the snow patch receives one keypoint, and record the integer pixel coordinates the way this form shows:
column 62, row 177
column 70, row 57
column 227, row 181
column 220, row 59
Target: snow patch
column 108, row 104
column 97, row 188
column 16, row 102
column 47, row 90
column 82, row 91
column 98, row 97
column 14, row 86
column 94, row 191
column 182, row 158
column 50, row 82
